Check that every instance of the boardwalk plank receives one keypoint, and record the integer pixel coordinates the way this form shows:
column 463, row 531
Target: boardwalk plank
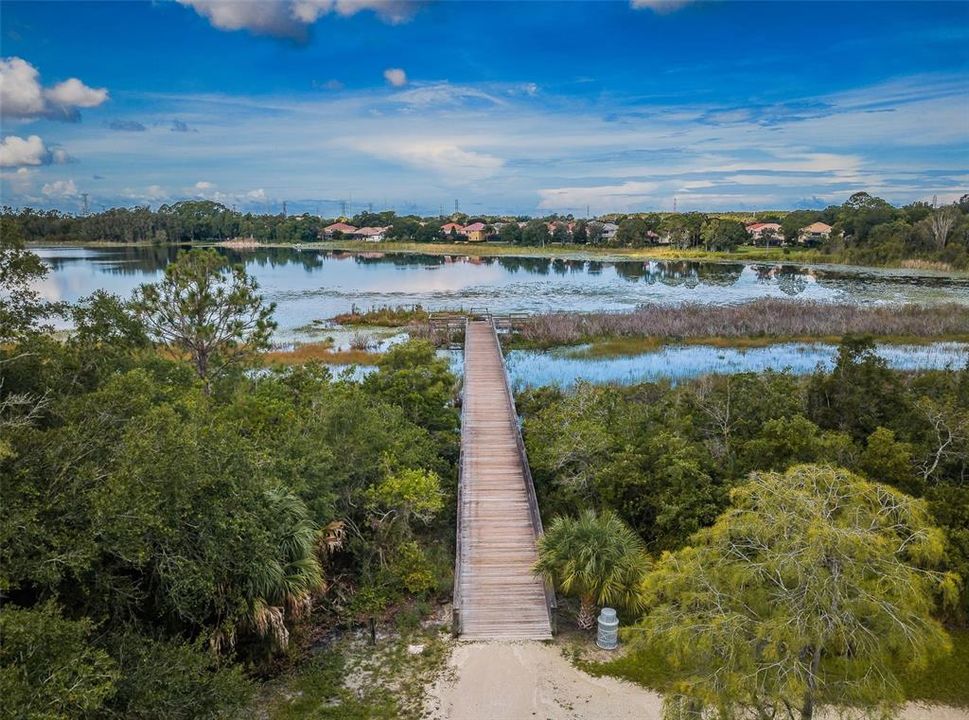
column 500, row 596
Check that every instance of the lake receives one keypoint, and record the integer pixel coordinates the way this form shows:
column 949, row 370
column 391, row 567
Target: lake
column 312, row 284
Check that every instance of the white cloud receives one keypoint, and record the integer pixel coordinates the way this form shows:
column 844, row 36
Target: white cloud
column 290, row 18
column 16, row 151
column 22, row 96
column 74, row 93
column 259, row 194
column 624, row 196
column 395, row 76
column 21, row 181
column 20, row 92
column 440, row 157
column 60, row 189
column 204, row 185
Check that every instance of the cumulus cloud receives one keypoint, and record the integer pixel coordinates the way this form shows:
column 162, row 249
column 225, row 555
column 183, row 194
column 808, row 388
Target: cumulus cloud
column 395, row 76
column 291, row 18
column 126, row 126
column 17, row 152
column 259, row 194
column 23, row 96
column 60, row 189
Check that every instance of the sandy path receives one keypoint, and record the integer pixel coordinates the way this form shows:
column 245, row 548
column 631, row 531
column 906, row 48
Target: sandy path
column 531, row 680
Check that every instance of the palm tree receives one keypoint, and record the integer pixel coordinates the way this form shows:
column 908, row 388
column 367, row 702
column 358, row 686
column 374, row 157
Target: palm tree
column 596, row 557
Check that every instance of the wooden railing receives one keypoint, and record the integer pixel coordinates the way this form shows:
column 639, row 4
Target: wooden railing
column 458, row 545
column 533, row 511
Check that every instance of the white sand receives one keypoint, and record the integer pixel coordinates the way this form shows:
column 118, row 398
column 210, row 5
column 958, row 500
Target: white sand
column 525, row 680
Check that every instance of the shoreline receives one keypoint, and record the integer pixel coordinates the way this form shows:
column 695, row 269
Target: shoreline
column 747, row 254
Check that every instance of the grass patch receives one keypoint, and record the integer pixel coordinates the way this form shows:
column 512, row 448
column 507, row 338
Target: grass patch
column 318, row 352
column 383, row 316
column 352, row 680
column 648, row 667
column 945, row 682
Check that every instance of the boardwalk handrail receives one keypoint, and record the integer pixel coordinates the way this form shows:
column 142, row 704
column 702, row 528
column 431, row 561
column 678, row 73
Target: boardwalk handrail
column 458, row 545
column 533, row 512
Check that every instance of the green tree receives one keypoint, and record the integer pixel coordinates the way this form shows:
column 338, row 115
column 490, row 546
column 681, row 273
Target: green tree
column 411, row 376
column 721, row 234
column 20, row 269
column 207, row 310
column 510, row 233
column 535, row 233
column 811, row 590
column 48, row 668
column 596, row 557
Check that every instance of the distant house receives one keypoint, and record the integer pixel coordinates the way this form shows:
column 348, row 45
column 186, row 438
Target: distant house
column 814, row 233
column 372, row 234
column 759, row 229
column 337, row 229
column 452, row 228
column 609, row 231
column 476, row 232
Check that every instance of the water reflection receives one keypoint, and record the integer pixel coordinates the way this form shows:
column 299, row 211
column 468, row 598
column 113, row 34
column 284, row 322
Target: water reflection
column 683, row 362
column 309, row 284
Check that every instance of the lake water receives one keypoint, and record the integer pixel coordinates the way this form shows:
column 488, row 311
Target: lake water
column 683, row 362
column 311, row 284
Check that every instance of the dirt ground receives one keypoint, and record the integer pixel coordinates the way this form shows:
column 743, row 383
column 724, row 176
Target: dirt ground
column 525, row 680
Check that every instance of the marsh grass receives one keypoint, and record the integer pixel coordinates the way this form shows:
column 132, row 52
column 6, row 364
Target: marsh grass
column 753, row 324
column 383, row 316
column 319, row 352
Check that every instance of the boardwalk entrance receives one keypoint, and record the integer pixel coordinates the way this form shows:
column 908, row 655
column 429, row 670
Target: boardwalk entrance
column 496, row 595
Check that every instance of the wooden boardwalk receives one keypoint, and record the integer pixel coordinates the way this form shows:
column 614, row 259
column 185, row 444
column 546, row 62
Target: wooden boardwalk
column 496, row 594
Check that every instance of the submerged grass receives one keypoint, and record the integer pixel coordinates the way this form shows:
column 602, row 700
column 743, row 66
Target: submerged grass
column 604, row 348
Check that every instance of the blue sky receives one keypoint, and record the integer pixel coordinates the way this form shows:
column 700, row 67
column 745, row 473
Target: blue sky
column 521, row 107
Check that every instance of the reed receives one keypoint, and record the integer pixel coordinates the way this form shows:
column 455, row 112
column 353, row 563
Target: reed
column 765, row 320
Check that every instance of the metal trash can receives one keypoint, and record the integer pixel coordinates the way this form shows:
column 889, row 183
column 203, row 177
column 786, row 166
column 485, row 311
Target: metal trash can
column 608, row 636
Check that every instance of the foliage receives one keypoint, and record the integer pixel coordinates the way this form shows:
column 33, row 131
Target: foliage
column 663, row 458
column 184, row 535
column 206, row 310
column 20, row 269
column 804, row 593
column 48, row 668
column 595, row 557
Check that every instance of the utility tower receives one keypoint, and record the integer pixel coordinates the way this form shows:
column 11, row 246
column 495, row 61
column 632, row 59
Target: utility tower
column 84, row 202
column 457, row 206
column 343, row 208
column 674, row 203
column 284, row 208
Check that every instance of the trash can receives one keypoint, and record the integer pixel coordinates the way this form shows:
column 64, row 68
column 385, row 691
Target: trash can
column 608, row 636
